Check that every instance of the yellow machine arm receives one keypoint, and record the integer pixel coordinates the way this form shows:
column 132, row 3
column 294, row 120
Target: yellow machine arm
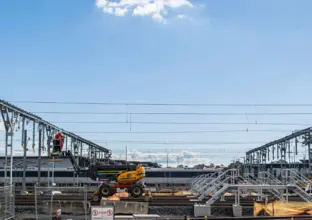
column 131, row 177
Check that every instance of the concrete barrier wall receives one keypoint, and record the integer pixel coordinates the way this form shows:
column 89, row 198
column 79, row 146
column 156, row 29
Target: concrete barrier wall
column 128, row 207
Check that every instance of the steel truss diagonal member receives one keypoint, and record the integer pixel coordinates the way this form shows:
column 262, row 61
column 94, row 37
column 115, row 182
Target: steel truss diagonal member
column 13, row 116
column 10, row 119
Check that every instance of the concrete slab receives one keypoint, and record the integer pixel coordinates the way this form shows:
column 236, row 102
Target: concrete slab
column 125, row 207
column 237, row 210
column 150, row 216
column 191, row 196
column 145, row 215
column 124, row 217
column 202, row 210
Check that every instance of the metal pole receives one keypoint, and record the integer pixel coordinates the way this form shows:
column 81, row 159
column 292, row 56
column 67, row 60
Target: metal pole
column 11, row 166
column 126, row 153
column 53, row 165
column 310, row 153
column 25, row 152
column 36, row 202
column 39, row 152
column 167, row 158
column 66, row 138
column 34, row 136
column 49, row 176
column 6, row 156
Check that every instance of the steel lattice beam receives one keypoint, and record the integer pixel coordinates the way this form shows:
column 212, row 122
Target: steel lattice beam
column 5, row 106
column 281, row 140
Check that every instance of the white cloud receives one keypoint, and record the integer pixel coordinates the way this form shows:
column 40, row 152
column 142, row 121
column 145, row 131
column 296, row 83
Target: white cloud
column 121, row 11
column 108, row 10
column 157, row 9
column 187, row 158
column 183, row 17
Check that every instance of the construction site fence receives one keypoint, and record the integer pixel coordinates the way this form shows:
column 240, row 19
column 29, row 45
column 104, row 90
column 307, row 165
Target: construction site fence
column 74, row 200
column 7, row 202
column 243, row 218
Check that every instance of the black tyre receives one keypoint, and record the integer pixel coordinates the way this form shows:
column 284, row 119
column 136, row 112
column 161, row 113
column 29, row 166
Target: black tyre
column 107, row 190
column 136, row 190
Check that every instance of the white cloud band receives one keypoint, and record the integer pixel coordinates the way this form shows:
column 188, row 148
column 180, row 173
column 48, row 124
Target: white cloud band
column 157, row 9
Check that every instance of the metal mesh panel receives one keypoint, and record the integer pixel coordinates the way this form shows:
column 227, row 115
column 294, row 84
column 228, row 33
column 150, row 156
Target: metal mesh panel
column 70, row 200
column 7, row 202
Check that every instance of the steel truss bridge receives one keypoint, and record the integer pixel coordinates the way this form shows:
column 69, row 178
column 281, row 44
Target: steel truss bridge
column 284, row 150
column 44, row 132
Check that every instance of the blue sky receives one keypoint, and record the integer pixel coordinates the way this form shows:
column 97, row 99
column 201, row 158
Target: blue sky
column 223, row 52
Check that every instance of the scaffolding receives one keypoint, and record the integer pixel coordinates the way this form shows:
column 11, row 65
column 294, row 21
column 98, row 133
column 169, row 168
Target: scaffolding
column 7, row 202
column 265, row 183
column 50, row 200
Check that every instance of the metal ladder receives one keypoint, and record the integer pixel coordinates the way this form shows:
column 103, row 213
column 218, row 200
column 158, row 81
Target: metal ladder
column 201, row 181
column 267, row 179
column 292, row 176
column 213, row 189
column 305, row 196
column 217, row 195
column 297, row 181
column 214, row 185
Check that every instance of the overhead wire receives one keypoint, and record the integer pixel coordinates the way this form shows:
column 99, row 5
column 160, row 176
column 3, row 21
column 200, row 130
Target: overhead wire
column 176, row 113
column 177, row 123
column 174, row 122
column 176, row 132
column 179, row 132
column 166, row 104
column 176, row 142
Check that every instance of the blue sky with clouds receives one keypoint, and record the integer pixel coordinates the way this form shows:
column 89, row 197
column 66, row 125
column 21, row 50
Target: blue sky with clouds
column 212, row 51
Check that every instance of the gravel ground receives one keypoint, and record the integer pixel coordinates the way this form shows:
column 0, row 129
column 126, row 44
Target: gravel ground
column 30, row 214
column 171, row 210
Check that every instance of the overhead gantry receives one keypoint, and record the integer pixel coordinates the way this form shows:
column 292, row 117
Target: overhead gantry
column 14, row 116
column 284, row 149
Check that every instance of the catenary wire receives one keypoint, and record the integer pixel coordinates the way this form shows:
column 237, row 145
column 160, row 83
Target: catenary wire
column 175, row 123
column 176, row 132
column 177, row 142
column 179, row 132
column 176, row 113
column 166, row 104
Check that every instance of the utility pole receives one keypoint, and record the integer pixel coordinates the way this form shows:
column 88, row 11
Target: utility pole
column 24, row 139
column 24, row 145
column 167, row 158
column 126, row 153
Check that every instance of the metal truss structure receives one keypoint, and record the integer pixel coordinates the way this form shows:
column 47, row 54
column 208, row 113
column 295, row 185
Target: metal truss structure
column 14, row 116
column 265, row 185
column 284, row 149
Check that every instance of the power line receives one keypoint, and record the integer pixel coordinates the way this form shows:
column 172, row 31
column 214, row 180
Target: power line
column 176, row 113
column 165, row 104
column 179, row 132
column 176, row 132
column 181, row 123
column 177, row 142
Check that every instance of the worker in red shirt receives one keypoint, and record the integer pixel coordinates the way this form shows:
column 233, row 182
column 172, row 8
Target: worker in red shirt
column 60, row 142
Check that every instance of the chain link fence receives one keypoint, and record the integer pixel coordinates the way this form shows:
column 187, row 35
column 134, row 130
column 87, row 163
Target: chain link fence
column 53, row 201
column 7, row 201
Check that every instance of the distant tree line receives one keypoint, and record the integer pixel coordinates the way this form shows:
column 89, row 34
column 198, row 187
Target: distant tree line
column 202, row 166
